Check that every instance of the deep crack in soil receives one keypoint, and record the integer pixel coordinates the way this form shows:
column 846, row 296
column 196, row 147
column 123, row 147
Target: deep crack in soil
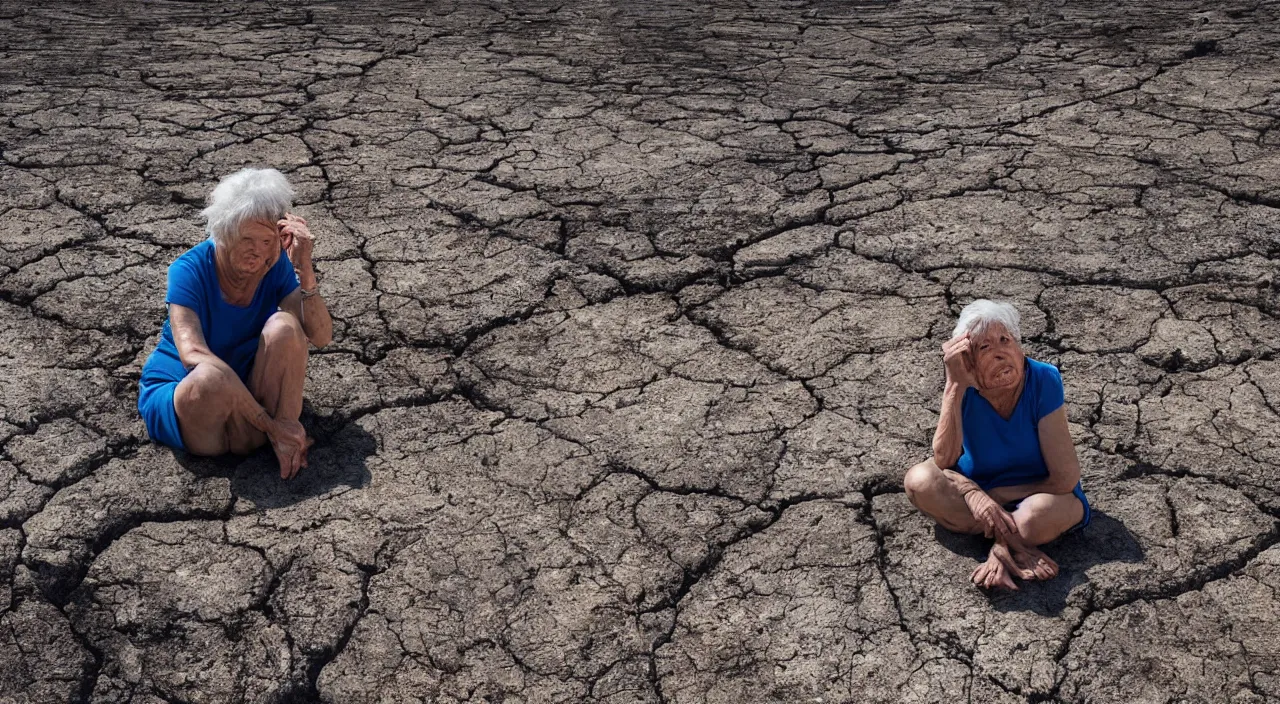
column 637, row 321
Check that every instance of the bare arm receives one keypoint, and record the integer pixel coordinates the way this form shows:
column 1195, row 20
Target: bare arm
column 948, row 442
column 948, row 438
column 188, row 336
column 1059, row 457
column 311, row 312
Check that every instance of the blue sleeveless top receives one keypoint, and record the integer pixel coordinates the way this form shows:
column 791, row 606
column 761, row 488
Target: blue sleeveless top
column 230, row 331
column 999, row 452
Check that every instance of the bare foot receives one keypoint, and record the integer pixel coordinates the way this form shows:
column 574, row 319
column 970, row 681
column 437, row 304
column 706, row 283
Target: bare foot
column 1025, row 561
column 992, row 574
column 1040, row 563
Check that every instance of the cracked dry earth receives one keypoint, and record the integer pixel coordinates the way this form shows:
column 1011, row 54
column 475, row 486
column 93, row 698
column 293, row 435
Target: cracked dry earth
column 638, row 311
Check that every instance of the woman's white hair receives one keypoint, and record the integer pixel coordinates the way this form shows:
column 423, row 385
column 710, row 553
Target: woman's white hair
column 982, row 313
column 248, row 194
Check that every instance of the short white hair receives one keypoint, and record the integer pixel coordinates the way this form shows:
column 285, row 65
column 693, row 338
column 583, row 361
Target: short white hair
column 248, row 194
column 982, row 314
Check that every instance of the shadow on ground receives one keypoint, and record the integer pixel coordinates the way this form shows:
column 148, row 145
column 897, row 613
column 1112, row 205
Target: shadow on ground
column 335, row 460
column 1104, row 540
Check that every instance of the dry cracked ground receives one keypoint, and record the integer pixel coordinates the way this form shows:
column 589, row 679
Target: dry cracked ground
column 638, row 314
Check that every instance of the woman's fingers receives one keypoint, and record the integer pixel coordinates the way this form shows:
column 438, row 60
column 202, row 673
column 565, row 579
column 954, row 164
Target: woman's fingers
column 988, row 526
column 306, row 449
column 285, row 457
column 950, row 346
column 1001, row 521
column 298, row 233
column 1009, row 522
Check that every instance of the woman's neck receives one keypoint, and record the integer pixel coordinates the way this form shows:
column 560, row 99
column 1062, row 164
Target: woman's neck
column 237, row 289
column 1004, row 400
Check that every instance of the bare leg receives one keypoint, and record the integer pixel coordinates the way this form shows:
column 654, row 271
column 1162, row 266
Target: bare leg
column 205, row 399
column 279, row 374
column 205, row 402
column 280, row 368
column 1040, row 518
column 931, row 492
column 1043, row 517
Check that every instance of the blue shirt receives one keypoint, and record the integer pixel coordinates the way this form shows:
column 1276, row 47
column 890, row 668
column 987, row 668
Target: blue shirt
column 231, row 332
column 999, row 452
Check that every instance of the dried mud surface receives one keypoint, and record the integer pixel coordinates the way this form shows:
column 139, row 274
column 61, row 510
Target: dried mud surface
column 638, row 309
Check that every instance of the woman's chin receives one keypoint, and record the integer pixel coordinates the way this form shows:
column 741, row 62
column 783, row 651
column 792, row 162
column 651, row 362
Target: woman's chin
column 253, row 270
column 1003, row 380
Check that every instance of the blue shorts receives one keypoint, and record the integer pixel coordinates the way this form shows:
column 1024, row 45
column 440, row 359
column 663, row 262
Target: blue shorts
column 155, row 403
column 1079, row 494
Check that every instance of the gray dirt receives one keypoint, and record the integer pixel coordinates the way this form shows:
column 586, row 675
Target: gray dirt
column 638, row 312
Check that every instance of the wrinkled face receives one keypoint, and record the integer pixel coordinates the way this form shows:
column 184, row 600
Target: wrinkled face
column 256, row 249
column 997, row 358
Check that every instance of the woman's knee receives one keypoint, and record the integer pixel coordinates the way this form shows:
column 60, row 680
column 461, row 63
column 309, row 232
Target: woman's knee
column 283, row 328
column 203, row 402
column 1043, row 517
column 921, row 479
column 204, row 387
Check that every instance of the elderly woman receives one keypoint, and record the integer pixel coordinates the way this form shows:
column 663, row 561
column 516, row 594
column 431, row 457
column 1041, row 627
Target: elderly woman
column 228, row 372
column 1003, row 463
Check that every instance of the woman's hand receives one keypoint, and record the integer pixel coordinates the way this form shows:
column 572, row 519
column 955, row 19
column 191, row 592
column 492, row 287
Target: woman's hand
column 290, row 442
column 996, row 522
column 296, row 239
column 956, row 356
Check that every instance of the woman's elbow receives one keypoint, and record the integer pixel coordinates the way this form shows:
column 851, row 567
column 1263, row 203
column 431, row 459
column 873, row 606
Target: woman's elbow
column 1064, row 482
column 191, row 356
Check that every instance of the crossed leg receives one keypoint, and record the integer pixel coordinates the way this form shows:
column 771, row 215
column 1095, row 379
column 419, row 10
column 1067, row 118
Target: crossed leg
column 1040, row 519
column 205, row 399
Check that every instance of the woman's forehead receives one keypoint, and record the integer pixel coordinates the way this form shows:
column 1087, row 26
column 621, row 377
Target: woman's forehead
column 992, row 332
column 258, row 228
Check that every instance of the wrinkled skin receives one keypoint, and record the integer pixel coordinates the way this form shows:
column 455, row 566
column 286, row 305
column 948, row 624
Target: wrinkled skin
column 619, row 289
column 249, row 256
column 218, row 412
column 992, row 361
column 997, row 361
